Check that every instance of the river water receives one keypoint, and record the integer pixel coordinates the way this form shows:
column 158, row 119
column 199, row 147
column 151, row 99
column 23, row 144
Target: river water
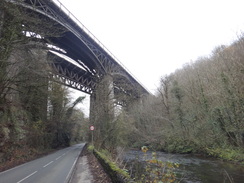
column 196, row 169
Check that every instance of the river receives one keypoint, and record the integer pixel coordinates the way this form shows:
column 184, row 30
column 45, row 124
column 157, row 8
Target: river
column 196, row 169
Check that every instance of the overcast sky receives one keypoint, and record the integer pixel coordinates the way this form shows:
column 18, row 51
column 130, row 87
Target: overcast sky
column 155, row 37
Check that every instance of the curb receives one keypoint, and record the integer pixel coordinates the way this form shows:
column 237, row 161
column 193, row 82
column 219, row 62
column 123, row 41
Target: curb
column 115, row 176
column 73, row 169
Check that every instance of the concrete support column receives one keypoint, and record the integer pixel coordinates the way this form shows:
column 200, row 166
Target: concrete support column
column 102, row 109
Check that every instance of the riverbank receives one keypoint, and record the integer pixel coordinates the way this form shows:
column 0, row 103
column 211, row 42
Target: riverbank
column 191, row 168
column 230, row 155
column 227, row 153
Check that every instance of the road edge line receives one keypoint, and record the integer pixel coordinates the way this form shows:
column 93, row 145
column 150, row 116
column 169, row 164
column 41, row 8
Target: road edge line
column 73, row 168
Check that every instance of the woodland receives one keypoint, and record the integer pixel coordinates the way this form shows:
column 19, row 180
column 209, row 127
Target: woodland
column 37, row 114
column 197, row 109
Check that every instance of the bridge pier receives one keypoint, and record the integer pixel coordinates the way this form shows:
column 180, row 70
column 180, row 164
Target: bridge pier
column 102, row 109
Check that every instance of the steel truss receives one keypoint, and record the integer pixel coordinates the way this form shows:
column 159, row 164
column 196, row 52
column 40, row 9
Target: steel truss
column 107, row 62
column 46, row 7
column 72, row 79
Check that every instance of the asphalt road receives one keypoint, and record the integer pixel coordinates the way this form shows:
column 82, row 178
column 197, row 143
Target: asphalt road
column 54, row 168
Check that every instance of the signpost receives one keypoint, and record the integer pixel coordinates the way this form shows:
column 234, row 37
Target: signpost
column 92, row 128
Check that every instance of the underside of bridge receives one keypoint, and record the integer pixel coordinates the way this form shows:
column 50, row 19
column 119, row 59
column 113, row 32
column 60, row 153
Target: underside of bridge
column 80, row 61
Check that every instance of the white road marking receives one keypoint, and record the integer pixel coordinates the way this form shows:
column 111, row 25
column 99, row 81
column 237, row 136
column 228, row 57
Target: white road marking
column 27, row 177
column 58, row 157
column 47, row 164
column 72, row 168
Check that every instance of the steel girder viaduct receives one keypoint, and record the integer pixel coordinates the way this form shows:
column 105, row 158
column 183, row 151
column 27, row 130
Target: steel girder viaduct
column 91, row 60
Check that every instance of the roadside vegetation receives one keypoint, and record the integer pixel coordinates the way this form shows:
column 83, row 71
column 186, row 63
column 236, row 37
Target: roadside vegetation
column 37, row 115
column 197, row 109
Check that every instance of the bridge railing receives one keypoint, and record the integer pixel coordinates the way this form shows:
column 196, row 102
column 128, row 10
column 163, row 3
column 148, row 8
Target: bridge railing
column 84, row 28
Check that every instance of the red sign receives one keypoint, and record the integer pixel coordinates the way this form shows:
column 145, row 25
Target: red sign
column 92, row 128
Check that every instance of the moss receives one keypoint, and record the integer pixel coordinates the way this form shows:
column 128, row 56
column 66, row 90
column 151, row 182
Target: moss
column 117, row 174
column 90, row 148
column 235, row 155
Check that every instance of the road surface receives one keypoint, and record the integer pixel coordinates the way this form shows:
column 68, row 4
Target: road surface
column 54, row 168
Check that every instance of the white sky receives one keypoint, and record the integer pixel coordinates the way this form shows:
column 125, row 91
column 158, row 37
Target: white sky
column 155, row 37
